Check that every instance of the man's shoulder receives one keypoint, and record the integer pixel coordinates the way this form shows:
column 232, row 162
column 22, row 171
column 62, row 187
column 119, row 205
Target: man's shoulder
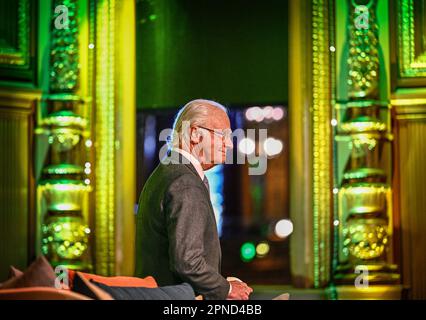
column 181, row 174
column 170, row 173
column 170, row 180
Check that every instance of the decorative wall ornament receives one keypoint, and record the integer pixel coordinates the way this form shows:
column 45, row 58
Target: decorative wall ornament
column 364, row 195
column 411, row 38
column 363, row 61
column 64, row 58
column 64, row 185
column 18, row 55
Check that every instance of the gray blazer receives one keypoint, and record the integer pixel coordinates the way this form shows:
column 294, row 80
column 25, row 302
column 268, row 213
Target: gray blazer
column 176, row 232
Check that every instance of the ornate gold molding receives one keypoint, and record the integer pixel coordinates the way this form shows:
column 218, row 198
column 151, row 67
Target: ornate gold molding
column 321, row 140
column 105, row 138
column 410, row 63
column 19, row 57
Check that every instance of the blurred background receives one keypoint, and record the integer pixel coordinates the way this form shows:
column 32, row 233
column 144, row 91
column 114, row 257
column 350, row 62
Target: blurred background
column 87, row 87
column 188, row 49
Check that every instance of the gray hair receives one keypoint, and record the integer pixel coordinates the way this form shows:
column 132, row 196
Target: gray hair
column 193, row 113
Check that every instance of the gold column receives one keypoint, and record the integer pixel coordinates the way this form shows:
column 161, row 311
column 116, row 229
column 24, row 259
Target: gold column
column 322, row 95
column 310, row 89
column 62, row 193
column 115, row 116
column 126, row 134
column 300, row 149
column 363, row 135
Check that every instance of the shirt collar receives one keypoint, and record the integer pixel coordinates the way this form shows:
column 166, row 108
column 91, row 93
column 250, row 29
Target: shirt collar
column 194, row 161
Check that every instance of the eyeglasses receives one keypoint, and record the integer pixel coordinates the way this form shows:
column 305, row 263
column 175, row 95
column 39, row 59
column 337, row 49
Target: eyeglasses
column 225, row 134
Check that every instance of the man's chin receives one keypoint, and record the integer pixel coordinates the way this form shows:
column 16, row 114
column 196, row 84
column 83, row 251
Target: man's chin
column 222, row 160
column 207, row 166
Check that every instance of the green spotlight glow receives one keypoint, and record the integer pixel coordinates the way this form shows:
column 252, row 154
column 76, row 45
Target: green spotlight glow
column 248, row 251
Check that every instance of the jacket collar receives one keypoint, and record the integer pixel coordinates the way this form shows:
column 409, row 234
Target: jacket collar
column 175, row 157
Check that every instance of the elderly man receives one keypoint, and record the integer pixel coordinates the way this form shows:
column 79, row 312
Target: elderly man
column 176, row 238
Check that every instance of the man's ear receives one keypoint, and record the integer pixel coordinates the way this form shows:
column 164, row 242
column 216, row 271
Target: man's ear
column 195, row 135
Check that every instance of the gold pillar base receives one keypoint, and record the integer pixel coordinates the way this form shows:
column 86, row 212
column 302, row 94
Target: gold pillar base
column 378, row 274
column 372, row 292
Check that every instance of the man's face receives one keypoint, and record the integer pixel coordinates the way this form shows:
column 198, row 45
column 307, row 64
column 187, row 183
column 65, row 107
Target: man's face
column 215, row 139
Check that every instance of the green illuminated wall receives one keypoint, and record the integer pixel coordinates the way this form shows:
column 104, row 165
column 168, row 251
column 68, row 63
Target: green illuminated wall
column 232, row 51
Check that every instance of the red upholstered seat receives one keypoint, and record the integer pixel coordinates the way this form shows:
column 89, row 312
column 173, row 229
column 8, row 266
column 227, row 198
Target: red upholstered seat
column 40, row 293
column 118, row 281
